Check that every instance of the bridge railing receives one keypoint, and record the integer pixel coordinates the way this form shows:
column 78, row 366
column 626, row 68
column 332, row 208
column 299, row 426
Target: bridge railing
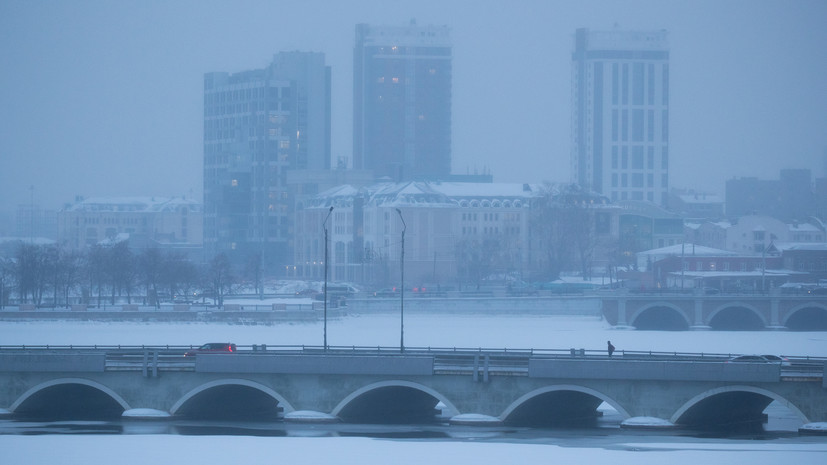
column 477, row 362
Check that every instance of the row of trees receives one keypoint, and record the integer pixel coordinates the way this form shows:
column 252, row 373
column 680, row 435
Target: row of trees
column 40, row 274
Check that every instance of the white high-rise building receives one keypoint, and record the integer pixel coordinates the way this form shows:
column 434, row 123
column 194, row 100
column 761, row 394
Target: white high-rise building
column 620, row 114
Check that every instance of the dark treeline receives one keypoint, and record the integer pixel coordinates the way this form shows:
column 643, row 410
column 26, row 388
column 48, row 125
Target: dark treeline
column 50, row 275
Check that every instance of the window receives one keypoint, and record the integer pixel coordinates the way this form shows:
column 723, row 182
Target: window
column 624, row 83
column 637, row 85
column 637, row 157
column 637, row 125
column 624, row 129
column 637, row 179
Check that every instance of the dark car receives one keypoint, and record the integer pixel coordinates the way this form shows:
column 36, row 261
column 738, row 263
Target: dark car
column 212, row 348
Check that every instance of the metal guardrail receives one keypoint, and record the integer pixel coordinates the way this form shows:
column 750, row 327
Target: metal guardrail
column 447, row 360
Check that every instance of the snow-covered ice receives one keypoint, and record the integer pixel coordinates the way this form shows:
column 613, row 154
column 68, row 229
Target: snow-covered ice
column 198, row 450
column 646, row 423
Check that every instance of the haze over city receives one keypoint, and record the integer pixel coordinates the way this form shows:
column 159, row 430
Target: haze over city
column 106, row 99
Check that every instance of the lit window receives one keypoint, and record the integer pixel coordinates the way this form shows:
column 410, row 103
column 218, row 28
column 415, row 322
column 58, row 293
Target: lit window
column 235, row 183
column 396, row 80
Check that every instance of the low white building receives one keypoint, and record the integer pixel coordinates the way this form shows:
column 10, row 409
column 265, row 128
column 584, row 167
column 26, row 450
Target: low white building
column 145, row 221
column 440, row 220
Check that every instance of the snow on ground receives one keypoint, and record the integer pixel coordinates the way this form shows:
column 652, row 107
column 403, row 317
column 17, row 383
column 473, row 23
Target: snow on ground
column 198, row 450
column 420, row 330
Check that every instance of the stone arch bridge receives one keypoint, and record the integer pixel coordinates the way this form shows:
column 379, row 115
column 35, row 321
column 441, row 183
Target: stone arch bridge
column 368, row 386
column 703, row 312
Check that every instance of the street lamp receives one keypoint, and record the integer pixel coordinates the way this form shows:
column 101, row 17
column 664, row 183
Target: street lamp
column 402, row 287
column 324, row 225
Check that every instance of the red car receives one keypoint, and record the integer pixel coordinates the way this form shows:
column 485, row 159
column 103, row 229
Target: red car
column 212, row 348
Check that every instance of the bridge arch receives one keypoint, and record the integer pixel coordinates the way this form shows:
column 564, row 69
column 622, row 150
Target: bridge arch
column 809, row 316
column 737, row 315
column 231, row 382
column 41, row 388
column 392, row 384
column 696, row 401
column 675, row 319
column 525, row 398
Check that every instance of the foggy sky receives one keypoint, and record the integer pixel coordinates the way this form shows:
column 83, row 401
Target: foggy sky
column 105, row 98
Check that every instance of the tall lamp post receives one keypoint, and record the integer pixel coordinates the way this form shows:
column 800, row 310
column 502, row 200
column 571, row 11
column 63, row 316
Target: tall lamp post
column 402, row 287
column 324, row 225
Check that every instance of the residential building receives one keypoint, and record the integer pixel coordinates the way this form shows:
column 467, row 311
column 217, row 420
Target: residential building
column 792, row 196
column 643, row 226
column 447, row 227
column 258, row 126
column 402, row 101
column 809, row 259
column 696, row 205
column 620, row 114
column 163, row 222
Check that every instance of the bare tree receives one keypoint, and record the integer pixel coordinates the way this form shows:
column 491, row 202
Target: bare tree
column 31, row 272
column 219, row 275
column 6, row 280
column 564, row 225
column 95, row 271
column 150, row 269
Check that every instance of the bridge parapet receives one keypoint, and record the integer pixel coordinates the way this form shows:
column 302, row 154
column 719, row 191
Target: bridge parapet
column 654, row 370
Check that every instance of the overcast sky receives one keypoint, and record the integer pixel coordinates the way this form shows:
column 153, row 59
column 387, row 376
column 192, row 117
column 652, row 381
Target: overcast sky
column 105, row 97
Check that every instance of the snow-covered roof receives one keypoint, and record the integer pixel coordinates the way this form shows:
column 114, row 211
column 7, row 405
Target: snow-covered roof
column 434, row 194
column 805, row 227
column 689, row 249
column 700, row 198
column 133, row 204
column 806, row 246
column 735, row 274
column 27, row 240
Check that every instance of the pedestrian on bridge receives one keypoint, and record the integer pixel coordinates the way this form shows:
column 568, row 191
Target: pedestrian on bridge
column 611, row 348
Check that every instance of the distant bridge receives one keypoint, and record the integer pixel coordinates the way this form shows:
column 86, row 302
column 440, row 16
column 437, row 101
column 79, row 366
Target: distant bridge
column 369, row 385
column 726, row 311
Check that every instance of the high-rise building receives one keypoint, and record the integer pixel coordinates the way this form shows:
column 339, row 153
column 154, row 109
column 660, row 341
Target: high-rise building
column 402, row 101
column 258, row 125
column 620, row 114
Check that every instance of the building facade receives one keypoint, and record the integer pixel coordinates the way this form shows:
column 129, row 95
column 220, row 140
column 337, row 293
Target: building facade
column 791, row 197
column 173, row 223
column 402, row 101
column 258, row 125
column 620, row 114
column 446, row 225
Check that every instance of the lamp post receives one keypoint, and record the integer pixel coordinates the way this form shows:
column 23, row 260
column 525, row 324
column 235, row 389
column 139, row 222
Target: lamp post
column 402, row 287
column 324, row 225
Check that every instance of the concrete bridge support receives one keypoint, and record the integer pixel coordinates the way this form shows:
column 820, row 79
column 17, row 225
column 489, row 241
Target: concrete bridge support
column 527, row 390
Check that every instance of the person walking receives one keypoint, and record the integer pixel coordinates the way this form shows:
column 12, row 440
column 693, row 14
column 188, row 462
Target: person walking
column 611, row 348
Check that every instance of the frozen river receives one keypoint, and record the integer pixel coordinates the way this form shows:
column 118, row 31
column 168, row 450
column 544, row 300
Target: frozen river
column 183, row 443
